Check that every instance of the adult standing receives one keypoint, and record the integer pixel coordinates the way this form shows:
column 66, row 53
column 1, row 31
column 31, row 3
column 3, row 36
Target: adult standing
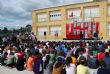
column 81, row 35
column 33, row 38
column 95, row 36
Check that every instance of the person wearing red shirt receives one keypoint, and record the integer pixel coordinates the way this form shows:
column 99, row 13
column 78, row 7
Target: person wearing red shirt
column 100, row 55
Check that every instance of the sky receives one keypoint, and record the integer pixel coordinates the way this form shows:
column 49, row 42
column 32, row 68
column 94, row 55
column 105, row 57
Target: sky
column 17, row 13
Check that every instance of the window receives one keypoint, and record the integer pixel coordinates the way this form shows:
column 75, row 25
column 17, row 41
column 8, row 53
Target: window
column 42, row 17
column 54, row 29
column 88, row 0
column 55, row 15
column 108, row 10
column 91, row 12
column 41, row 30
column 109, row 29
column 74, row 13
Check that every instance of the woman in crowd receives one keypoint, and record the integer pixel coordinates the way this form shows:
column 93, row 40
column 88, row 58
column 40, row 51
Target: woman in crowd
column 58, row 66
column 30, row 62
column 81, row 68
column 74, row 60
column 70, row 67
column 38, row 65
column 20, row 61
column 47, row 67
column 10, row 60
column 68, row 52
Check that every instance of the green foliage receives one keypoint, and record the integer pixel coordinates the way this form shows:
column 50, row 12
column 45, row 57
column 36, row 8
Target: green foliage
column 5, row 30
column 27, row 28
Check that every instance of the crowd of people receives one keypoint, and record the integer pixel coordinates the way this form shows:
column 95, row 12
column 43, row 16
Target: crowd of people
column 23, row 51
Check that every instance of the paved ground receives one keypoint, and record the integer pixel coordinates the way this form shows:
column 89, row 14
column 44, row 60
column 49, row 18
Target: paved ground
column 5, row 70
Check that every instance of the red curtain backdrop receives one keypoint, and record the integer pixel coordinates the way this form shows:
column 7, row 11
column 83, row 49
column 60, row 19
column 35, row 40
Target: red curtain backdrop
column 87, row 28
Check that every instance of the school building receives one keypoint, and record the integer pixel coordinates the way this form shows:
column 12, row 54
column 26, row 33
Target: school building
column 68, row 21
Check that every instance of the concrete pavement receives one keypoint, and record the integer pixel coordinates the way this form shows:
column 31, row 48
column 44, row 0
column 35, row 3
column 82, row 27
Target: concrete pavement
column 6, row 70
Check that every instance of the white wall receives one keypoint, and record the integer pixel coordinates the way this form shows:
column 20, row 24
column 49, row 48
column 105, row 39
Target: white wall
column 55, row 15
column 74, row 14
column 91, row 12
column 108, row 28
column 42, row 17
column 88, row 0
column 54, row 29
column 108, row 10
column 41, row 30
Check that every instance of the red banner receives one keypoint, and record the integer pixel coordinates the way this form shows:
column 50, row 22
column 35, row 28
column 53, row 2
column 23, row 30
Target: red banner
column 73, row 30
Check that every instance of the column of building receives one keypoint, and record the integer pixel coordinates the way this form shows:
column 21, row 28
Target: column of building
column 103, row 19
column 34, row 20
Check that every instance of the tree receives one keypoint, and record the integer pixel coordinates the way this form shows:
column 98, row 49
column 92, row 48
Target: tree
column 28, row 25
column 5, row 30
column 0, row 30
column 28, row 28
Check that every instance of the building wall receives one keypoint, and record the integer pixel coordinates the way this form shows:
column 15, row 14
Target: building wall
column 103, row 19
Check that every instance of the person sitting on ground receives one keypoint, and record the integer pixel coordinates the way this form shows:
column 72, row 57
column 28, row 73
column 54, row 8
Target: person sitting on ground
column 70, row 67
column 106, row 59
column 38, row 65
column 81, row 68
column 47, row 65
column 20, row 61
column 58, row 66
column 103, row 69
column 74, row 60
column 30, row 62
column 4, row 58
column 10, row 60
column 1, row 56
column 100, row 55
column 92, row 64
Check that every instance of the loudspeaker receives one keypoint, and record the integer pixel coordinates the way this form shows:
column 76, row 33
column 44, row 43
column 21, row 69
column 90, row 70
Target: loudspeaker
column 44, row 33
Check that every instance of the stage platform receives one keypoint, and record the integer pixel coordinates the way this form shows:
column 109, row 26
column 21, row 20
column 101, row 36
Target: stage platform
column 77, row 39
